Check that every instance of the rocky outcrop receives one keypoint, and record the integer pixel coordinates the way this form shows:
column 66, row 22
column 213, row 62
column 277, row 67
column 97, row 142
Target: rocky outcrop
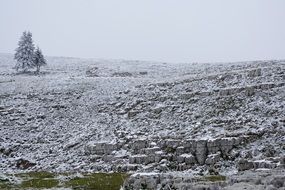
column 138, row 145
column 24, row 164
column 201, row 151
column 100, row 148
column 141, row 159
column 188, row 159
column 262, row 180
column 172, row 118
column 254, row 72
column 212, row 159
column 244, row 164
column 182, row 152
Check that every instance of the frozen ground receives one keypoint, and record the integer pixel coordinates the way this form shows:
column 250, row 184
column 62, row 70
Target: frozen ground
column 115, row 115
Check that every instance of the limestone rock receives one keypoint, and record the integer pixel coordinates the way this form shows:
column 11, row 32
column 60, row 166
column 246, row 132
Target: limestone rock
column 227, row 144
column 254, row 72
column 171, row 143
column 249, row 91
column 186, row 158
column 150, row 150
column 189, row 146
column 180, row 150
column 141, row 159
column 24, row 164
column 189, row 159
column 264, row 164
column 243, row 165
column 212, row 159
column 142, row 181
column 100, row 148
column 138, row 145
column 213, row 146
column 201, row 151
column 158, row 156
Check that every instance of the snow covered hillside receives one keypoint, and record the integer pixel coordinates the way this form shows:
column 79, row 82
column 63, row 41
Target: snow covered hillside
column 118, row 115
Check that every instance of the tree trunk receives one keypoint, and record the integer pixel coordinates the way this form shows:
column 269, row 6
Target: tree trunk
column 38, row 69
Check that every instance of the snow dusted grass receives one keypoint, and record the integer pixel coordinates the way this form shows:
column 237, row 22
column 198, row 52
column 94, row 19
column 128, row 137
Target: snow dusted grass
column 50, row 118
column 58, row 109
column 46, row 180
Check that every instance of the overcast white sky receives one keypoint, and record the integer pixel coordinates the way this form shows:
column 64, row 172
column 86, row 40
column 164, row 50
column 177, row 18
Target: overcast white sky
column 161, row 30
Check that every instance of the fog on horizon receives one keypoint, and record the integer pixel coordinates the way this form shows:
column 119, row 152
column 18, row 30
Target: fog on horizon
column 160, row 30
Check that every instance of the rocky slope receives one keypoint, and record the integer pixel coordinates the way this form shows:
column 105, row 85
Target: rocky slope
column 101, row 115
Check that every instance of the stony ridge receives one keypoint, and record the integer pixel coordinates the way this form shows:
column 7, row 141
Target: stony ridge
column 108, row 116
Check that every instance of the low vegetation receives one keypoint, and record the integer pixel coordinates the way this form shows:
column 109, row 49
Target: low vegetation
column 43, row 180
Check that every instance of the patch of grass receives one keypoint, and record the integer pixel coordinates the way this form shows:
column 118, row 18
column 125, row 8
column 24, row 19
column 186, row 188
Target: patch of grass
column 38, row 180
column 46, row 180
column 100, row 181
column 215, row 178
column 38, row 175
column 5, row 184
column 40, row 183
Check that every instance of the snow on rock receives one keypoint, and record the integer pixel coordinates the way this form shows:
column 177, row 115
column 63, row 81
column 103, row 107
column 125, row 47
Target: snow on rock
column 118, row 115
